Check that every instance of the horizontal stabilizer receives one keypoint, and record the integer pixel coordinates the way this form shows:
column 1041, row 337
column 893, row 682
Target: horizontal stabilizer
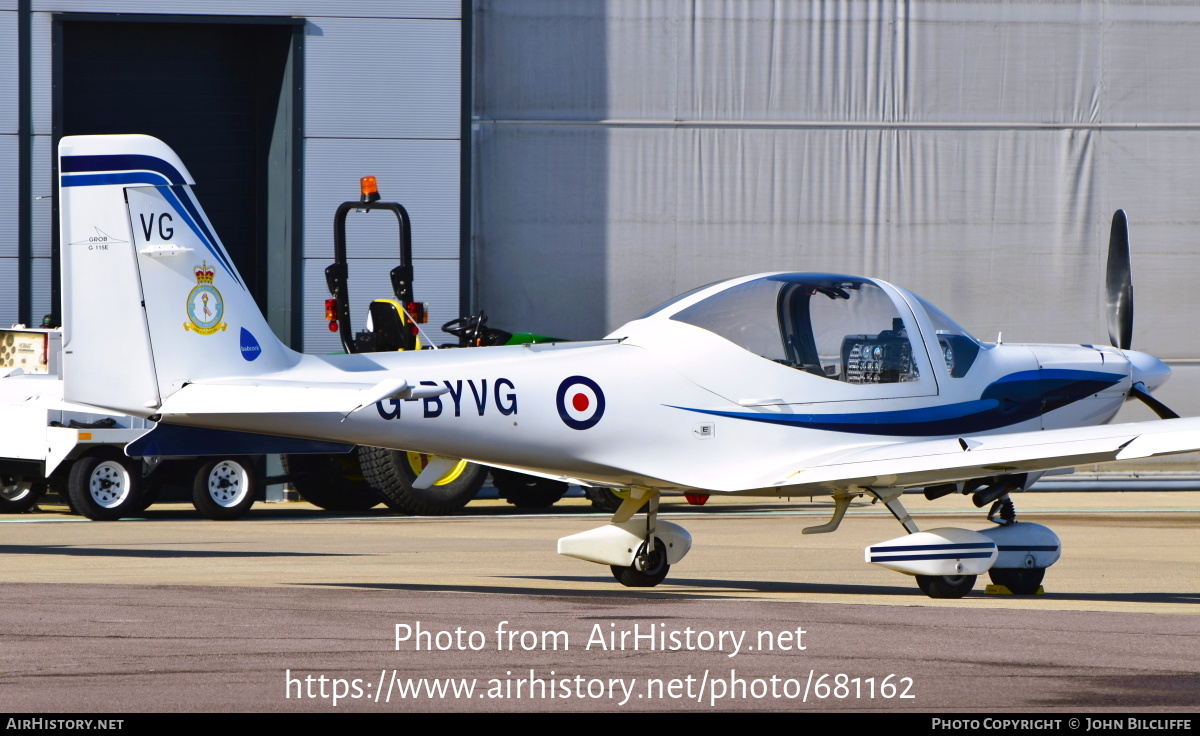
column 168, row 440
column 260, row 396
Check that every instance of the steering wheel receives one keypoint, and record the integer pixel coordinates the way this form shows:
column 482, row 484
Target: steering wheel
column 466, row 329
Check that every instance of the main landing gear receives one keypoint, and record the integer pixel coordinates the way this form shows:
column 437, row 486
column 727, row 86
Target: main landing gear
column 947, row 561
column 639, row 552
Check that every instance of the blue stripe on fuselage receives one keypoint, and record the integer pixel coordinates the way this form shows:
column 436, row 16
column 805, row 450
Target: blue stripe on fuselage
column 1010, row 400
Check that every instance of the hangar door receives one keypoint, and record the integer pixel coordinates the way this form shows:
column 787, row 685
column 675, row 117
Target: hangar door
column 222, row 96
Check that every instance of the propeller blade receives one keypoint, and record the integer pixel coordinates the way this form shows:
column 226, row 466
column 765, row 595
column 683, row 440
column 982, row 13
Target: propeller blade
column 1140, row 393
column 1118, row 292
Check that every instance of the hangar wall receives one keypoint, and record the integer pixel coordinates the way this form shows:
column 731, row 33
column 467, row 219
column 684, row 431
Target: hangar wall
column 626, row 151
column 381, row 96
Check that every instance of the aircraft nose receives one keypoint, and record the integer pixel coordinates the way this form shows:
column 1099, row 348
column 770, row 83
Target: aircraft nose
column 1148, row 369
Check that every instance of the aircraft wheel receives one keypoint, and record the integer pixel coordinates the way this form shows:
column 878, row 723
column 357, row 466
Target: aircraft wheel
column 225, row 488
column 648, row 569
column 603, row 499
column 1018, row 580
column 392, row 472
column 18, row 494
column 333, row 482
column 105, row 485
column 945, row 586
column 527, row 491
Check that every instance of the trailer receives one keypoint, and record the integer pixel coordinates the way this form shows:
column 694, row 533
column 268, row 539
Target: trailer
column 48, row 444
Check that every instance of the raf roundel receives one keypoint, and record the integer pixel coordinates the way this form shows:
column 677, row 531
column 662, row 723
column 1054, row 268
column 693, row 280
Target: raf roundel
column 580, row 402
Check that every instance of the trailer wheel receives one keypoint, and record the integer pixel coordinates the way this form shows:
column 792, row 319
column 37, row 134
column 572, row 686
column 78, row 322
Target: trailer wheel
column 392, row 472
column 332, row 482
column 527, row 491
column 19, row 494
column 225, row 488
column 106, row 485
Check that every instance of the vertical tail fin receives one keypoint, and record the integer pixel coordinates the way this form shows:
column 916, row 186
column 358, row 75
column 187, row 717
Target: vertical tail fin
column 151, row 299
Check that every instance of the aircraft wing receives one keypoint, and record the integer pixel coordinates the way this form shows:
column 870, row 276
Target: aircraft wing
column 929, row 462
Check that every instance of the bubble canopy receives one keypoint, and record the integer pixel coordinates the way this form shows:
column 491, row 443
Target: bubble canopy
column 844, row 328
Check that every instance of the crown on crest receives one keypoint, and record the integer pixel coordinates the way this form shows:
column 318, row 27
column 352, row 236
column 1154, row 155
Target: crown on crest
column 205, row 273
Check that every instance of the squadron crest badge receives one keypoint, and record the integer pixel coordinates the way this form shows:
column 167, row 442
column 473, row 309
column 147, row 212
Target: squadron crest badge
column 205, row 307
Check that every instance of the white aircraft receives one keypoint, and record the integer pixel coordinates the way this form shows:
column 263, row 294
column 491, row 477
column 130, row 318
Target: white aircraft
column 772, row 385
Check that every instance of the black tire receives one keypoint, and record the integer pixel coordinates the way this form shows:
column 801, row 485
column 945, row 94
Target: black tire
column 332, row 482
column 1018, row 580
column 105, row 485
column 528, row 491
column 18, row 493
column 945, row 586
column 225, row 488
column 648, row 570
column 391, row 473
column 603, row 499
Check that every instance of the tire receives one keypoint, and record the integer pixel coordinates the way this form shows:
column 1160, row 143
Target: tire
column 105, row 485
column 225, row 488
column 1018, row 580
column 648, row 570
column 331, row 482
column 392, row 472
column 945, row 586
column 528, row 491
column 603, row 499
column 18, row 494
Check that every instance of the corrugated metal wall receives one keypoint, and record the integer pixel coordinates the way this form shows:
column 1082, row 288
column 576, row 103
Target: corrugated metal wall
column 8, row 160
column 381, row 97
column 627, row 151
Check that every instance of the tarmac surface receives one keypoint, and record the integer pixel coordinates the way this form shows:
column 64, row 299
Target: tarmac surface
column 174, row 613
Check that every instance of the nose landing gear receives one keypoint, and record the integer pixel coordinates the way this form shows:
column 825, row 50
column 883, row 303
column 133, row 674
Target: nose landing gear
column 946, row 562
